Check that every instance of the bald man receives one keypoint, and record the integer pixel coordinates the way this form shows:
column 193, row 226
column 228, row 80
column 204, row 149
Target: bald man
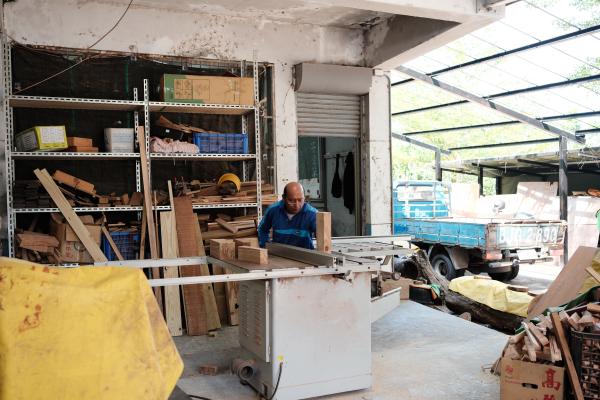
column 293, row 221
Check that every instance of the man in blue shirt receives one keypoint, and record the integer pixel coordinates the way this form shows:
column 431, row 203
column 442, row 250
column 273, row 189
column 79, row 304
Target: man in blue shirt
column 293, row 221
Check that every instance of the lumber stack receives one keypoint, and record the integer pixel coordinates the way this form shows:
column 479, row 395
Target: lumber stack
column 208, row 193
column 223, row 226
column 535, row 342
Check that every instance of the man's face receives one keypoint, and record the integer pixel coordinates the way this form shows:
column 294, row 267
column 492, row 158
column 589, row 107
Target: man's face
column 294, row 200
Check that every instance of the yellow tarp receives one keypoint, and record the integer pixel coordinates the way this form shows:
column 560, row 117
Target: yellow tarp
column 82, row 333
column 493, row 294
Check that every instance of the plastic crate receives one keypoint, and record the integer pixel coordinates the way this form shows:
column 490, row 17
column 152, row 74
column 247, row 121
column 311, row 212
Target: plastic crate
column 127, row 242
column 221, row 143
column 585, row 349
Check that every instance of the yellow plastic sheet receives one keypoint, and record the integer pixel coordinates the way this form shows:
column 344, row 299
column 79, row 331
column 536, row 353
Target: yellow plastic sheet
column 82, row 333
column 493, row 294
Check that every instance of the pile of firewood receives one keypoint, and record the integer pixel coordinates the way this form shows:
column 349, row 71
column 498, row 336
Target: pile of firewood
column 537, row 342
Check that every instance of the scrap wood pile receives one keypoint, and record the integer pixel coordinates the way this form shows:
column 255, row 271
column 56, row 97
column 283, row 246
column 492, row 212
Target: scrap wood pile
column 79, row 193
column 211, row 193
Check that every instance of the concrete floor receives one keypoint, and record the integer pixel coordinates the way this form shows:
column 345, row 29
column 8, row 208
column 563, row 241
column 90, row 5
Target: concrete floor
column 418, row 353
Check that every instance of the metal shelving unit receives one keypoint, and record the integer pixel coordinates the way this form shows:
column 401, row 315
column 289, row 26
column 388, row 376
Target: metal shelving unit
column 136, row 106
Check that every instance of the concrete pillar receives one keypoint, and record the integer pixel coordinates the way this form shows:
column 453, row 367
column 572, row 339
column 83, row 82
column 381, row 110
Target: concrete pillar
column 376, row 143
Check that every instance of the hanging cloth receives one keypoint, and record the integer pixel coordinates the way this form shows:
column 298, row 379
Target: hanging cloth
column 336, row 185
column 349, row 183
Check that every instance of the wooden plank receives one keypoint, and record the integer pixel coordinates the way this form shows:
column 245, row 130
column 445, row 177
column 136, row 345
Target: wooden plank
column 324, row 231
column 224, row 249
column 567, row 284
column 147, row 195
column 112, row 244
column 136, row 199
column 143, row 235
column 226, row 225
column 531, row 349
column 170, row 249
column 541, row 339
column 75, row 183
column 207, row 290
column 148, row 208
column 248, row 241
column 254, row 255
column 593, row 273
column 200, row 306
column 74, row 222
column 566, row 355
column 532, row 339
column 593, row 308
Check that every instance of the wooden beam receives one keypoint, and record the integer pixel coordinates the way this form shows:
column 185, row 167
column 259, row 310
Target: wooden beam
column 566, row 355
column 225, row 292
column 324, row 231
column 226, row 225
column 200, row 306
column 170, row 249
column 112, row 244
column 147, row 195
column 67, row 211
column 593, row 273
column 253, row 254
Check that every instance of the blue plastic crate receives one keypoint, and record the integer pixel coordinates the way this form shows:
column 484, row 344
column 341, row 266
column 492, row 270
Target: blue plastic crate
column 221, row 143
column 127, row 242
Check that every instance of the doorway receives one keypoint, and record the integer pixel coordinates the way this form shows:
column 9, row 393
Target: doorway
column 329, row 170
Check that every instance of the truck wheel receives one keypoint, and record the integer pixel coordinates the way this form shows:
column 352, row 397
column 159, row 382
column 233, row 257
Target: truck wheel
column 505, row 276
column 442, row 264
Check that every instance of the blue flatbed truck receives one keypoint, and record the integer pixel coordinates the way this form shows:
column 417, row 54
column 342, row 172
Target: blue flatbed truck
column 454, row 245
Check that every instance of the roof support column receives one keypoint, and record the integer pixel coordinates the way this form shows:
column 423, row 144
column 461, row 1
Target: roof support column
column 480, row 181
column 438, row 165
column 563, row 191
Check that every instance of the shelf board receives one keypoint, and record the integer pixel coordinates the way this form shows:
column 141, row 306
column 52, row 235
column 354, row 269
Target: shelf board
column 199, row 156
column 212, row 205
column 65, row 155
column 74, row 103
column 130, row 208
column 78, row 209
column 223, row 109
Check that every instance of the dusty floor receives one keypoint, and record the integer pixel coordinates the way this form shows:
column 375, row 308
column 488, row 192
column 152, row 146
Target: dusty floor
column 412, row 348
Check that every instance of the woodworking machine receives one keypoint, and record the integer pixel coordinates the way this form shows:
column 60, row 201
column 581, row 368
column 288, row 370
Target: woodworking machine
column 305, row 318
column 306, row 335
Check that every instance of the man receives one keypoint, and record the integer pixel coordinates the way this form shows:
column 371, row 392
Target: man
column 294, row 222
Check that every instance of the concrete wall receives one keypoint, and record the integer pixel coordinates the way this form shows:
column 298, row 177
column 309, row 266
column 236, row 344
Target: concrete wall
column 78, row 24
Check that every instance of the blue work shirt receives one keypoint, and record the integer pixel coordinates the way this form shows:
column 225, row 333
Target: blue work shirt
column 297, row 231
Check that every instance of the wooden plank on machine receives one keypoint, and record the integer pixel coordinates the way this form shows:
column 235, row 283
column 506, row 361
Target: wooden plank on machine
column 200, row 310
column 170, row 249
column 324, row 231
column 67, row 211
column 253, row 254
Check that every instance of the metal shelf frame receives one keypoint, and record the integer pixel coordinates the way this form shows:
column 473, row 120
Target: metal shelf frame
column 137, row 106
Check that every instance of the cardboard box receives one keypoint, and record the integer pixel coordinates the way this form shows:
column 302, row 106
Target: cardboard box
column 70, row 247
column 119, row 140
column 207, row 89
column 74, row 141
column 520, row 380
column 42, row 138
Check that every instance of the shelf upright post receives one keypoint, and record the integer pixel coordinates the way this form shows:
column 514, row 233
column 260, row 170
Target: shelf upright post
column 147, row 132
column 257, row 141
column 244, row 125
column 7, row 136
column 136, row 124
